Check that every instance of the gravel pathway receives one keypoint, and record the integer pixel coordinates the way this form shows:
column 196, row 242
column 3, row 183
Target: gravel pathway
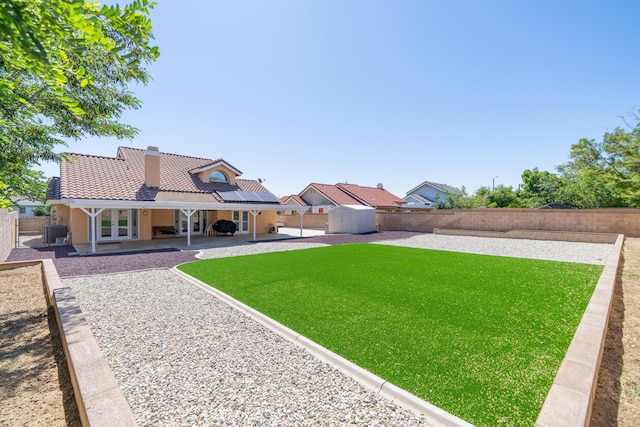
column 584, row 253
column 182, row 357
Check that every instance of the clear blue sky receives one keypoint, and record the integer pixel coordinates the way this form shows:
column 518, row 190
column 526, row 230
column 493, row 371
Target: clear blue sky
column 394, row 92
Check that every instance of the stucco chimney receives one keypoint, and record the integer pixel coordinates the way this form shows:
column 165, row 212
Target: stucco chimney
column 152, row 167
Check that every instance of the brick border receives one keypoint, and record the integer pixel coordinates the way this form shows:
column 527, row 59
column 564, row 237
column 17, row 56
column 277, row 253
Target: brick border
column 98, row 396
column 570, row 399
column 564, row 236
column 101, row 402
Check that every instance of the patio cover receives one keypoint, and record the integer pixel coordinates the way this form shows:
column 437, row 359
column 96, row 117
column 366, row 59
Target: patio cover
column 93, row 207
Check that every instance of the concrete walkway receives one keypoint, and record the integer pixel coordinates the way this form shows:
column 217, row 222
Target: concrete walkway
column 198, row 242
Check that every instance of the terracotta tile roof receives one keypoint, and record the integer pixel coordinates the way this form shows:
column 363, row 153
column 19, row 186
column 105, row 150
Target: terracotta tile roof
column 293, row 197
column 53, row 188
column 372, row 196
column 352, row 194
column 122, row 178
column 332, row 193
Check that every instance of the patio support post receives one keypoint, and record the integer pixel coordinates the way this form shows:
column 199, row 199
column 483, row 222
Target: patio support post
column 301, row 213
column 188, row 213
column 255, row 213
column 93, row 214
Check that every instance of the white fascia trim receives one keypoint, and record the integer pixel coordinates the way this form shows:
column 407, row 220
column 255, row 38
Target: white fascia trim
column 215, row 165
column 131, row 204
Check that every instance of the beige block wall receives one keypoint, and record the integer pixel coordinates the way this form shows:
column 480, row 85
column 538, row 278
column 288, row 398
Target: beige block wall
column 309, row 220
column 33, row 224
column 618, row 221
column 8, row 222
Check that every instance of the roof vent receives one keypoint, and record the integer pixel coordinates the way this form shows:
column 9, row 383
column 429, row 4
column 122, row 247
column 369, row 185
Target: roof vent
column 380, row 186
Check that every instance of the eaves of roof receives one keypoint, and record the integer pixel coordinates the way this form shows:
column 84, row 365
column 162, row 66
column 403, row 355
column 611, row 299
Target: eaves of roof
column 371, row 196
column 442, row 187
column 140, row 204
column 332, row 193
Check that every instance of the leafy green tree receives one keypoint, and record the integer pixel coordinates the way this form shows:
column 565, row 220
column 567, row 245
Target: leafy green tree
column 39, row 211
column 482, row 197
column 65, row 71
column 583, row 177
column 503, row 197
column 464, row 201
column 622, row 158
column 538, row 188
column 607, row 171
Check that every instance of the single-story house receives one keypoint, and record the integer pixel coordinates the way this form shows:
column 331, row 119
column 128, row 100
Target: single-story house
column 24, row 206
column 429, row 194
column 146, row 194
column 323, row 197
column 292, row 200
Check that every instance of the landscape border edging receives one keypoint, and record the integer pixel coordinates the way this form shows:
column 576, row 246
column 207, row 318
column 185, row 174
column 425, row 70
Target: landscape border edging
column 570, row 399
column 98, row 396
column 562, row 236
column 369, row 380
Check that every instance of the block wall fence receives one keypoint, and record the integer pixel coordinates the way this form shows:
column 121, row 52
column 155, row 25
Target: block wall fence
column 614, row 221
column 309, row 220
column 34, row 224
column 8, row 222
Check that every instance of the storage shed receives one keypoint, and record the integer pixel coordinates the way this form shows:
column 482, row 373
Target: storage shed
column 352, row 219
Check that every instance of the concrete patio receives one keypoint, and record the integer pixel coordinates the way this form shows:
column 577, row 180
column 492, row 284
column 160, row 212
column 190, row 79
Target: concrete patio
column 197, row 242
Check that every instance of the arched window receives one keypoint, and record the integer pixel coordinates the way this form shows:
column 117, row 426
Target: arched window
column 217, row 176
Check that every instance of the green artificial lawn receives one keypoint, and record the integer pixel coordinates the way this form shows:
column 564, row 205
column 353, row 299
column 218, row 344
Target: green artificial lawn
column 478, row 336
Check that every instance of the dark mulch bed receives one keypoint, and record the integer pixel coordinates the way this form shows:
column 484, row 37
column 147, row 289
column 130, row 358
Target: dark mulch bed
column 68, row 265
column 103, row 263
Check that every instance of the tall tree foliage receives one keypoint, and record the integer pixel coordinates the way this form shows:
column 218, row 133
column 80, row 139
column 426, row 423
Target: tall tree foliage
column 65, row 71
column 584, row 182
column 538, row 188
column 608, row 171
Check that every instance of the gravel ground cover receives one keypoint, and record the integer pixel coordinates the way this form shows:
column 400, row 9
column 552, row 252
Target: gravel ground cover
column 183, row 357
column 585, row 253
column 68, row 265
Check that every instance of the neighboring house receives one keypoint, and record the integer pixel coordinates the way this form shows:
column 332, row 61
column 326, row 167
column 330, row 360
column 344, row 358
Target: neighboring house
column 555, row 205
column 24, row 206
column 146, row 194
column 292, row 200
column 323, row 197
column 428, row 195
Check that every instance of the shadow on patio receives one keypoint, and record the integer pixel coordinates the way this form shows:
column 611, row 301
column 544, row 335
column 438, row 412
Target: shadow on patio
column 197, row 242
